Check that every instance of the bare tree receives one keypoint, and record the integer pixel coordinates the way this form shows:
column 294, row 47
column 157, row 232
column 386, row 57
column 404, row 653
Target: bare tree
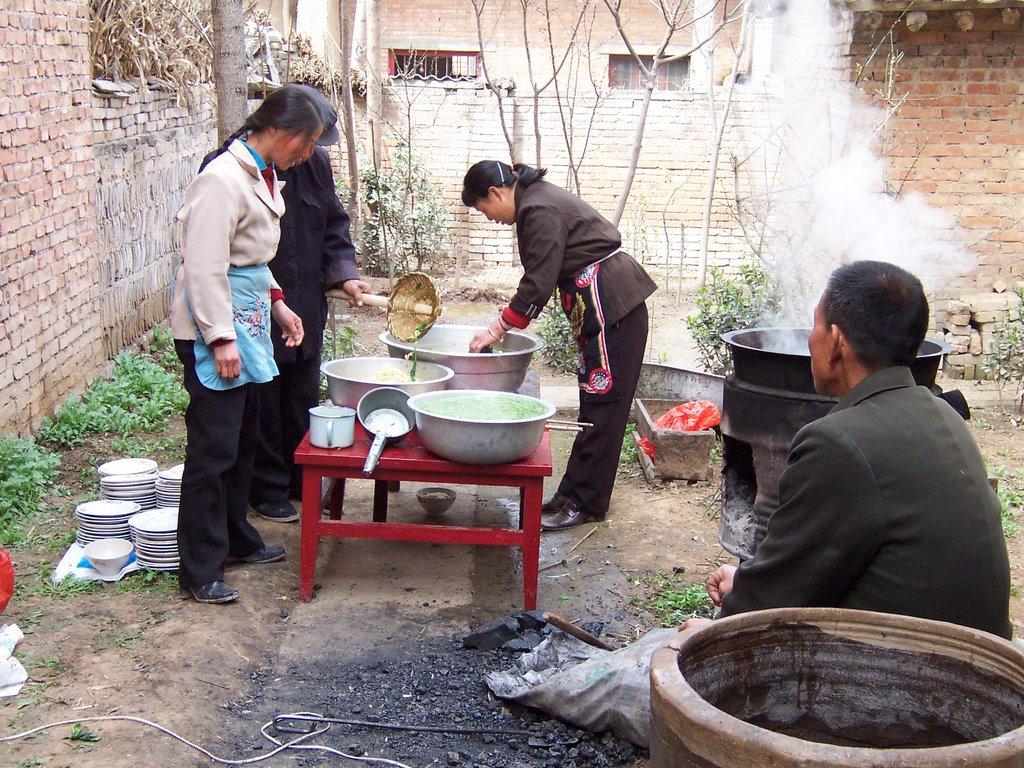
column 677, row 16
column 718, row 128
column 581, row 48
column 229, row 64
column 494, row 87
column 348, row 113
column 374, row 87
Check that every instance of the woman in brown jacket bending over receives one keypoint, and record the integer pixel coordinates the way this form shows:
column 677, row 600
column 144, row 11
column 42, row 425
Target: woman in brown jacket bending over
column 565, row 244
column 224, row 296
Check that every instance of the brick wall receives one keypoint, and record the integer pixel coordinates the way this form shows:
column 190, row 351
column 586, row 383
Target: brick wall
column 50, row 316
column 456, row 126
column 148, row 151
column 959, row 139
column 88, row 190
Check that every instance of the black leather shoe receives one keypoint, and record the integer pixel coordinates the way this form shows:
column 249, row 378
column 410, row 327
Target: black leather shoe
column 569, row 516
column 554, row 504
column 214, row 592
column 260, row 556
column 279, row 511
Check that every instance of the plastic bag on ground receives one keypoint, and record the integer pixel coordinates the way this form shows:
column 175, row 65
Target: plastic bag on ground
column 6, row 578
column 691, row 416
column 585, row 686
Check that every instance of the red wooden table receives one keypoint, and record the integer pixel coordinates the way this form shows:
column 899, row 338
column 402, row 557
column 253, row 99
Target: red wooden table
column 411, row 462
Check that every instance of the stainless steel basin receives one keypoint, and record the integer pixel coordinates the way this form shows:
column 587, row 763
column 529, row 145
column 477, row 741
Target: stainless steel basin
column 349, row 378
column 478, row 441
column 503, row 370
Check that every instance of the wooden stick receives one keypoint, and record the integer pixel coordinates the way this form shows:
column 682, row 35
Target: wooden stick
column 590, row 533
column 583, row 424
column 571, row 629
column 563, row 428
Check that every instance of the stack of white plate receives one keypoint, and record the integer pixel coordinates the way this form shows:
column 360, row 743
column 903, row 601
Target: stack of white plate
column 168, row 486
column 155, row 533
column 104, row 520
column 128, row 467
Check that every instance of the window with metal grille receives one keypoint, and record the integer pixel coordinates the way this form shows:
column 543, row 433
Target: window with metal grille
column 434, row 65
column 624, row 74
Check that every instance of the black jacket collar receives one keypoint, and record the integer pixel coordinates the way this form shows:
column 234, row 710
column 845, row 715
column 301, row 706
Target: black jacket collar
column 897, row 377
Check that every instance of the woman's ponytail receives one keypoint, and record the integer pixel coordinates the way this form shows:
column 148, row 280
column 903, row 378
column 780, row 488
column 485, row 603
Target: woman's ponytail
column 526, row 174
column 493, row 173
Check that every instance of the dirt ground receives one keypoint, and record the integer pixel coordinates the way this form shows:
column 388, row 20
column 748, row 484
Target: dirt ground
column 216, row 673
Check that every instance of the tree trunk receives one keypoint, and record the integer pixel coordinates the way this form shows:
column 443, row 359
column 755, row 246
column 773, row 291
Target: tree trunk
column 374, row 77
column 638, row 140
column 716, row 150
column 229, row 65
column 348, row 112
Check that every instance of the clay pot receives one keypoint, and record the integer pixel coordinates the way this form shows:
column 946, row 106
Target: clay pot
column 816, row 687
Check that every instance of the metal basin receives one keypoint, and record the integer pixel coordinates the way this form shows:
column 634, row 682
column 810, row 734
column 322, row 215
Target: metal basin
column 349, row 378
column 478, row 441
column 502, row 371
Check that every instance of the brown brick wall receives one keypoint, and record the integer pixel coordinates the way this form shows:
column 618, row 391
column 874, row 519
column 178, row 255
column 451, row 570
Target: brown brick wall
column 959, row 139
column 50, row 315
column 89, row 185
column 148, row 150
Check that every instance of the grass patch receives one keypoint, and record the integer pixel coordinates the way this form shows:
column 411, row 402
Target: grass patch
column 146, row 581
column 26, row 472
column 40, row 585
column 140, row 395
column 673, row 603
column 1011, row 500
column 627, row 454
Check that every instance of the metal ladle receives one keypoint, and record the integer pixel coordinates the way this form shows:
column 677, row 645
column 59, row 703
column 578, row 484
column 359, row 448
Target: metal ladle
column 384, row 413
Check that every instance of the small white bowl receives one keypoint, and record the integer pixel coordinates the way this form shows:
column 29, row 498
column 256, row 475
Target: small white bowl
column 108, row 556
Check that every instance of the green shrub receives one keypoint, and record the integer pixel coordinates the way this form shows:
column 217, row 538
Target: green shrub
column 725, row 304
column 560, row 350
column 26, row 473
column 140, row 395
column 1006, row 361
column 407, row 221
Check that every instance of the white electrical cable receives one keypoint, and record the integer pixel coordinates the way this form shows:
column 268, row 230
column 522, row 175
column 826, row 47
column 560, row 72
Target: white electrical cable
column 280, row 746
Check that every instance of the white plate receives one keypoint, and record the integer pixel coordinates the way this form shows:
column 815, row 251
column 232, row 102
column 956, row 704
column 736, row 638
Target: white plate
column 128, row 467
column 106, row 508
column 174, row 473
column 165, row 563
column 103, row 522
column 164, row 520
column 157, row 566
column 100, row 528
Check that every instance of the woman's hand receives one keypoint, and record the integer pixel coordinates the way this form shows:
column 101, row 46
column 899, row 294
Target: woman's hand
column 483, row 340
column 227, row 360
column 291, row 325
column 355, row 290
column 720, row 583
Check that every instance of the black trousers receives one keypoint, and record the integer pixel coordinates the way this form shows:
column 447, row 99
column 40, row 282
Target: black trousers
column 283, row 421
column 221, row 444
column 590, row 474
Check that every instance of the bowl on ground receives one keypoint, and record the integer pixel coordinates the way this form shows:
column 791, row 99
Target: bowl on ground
column 108, row 556
column 435, row 501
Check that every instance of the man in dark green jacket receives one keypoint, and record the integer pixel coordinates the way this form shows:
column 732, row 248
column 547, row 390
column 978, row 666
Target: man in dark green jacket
column 885, row 503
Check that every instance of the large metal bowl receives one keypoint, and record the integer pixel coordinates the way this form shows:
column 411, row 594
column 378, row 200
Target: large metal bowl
column 502, row 371
column 478, row 441
column 349, row 378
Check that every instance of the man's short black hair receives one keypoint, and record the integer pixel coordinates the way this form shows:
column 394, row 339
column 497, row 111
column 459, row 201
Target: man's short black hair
column 881, row 309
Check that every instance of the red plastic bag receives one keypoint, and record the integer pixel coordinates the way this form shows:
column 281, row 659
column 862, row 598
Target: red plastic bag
column 692, row 416
column 6, row 579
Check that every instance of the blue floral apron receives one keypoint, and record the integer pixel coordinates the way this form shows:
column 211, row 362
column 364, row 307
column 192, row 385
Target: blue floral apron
column 250, row 305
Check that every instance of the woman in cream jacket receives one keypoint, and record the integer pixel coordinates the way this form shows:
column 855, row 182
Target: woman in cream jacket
column 224, row 295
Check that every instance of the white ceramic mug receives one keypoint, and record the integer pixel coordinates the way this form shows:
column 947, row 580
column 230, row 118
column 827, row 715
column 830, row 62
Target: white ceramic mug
column 332, row 426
